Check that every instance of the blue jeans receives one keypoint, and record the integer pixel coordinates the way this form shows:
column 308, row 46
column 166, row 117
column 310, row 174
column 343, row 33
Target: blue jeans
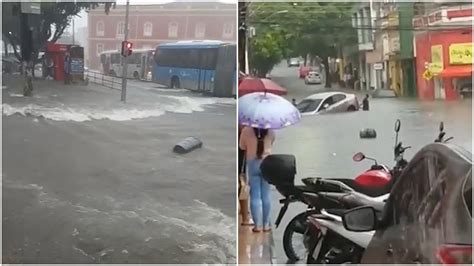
column 259, row 195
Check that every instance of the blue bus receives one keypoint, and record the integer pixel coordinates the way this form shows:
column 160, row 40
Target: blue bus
column 203, row 66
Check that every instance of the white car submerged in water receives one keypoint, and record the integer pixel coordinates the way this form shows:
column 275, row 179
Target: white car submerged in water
column 328, row 102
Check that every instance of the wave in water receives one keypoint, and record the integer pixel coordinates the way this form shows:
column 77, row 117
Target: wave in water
column 81, row 114
column 201, row 229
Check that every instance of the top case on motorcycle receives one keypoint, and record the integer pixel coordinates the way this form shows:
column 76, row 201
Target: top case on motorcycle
column 279, row 169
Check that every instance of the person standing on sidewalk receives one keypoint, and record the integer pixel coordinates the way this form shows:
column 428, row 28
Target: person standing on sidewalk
column 67, row 70
column 258, row 144
column 243, row 188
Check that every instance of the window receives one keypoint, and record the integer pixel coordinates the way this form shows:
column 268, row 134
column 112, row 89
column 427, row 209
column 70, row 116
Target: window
column 200, row 30
column 173, row 30
column 187, row 58
column 100, row 48
column 208, row 58
column 100, row 29
column 134, row 59
column 115, row 58
column 228, row 30
column 338, row 97
column 329, row 101
column 121, row 28
column 306, row 106
column 148, row 29
column 467, row 192
column 411, row 189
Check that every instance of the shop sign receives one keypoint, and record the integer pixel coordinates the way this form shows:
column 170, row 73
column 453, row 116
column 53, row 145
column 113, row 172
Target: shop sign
column 378, row 66
column 31, row 7
column 436, row 65
column 460, row 54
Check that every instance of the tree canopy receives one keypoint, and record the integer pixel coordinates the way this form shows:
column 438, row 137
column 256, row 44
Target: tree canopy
column 55, row 17
column 306, row 28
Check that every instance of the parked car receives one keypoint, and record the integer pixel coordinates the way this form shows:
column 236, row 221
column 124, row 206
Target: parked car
column 293, row 62
column 303, row 71
column 428, row 216
column 313, row 77
column 328, row 102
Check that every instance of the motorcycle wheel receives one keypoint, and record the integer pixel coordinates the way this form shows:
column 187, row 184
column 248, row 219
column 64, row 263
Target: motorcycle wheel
column 294, row 238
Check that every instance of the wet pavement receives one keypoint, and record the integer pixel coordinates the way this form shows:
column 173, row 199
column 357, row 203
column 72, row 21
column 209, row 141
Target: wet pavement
column 324, row 145
column 88, row 179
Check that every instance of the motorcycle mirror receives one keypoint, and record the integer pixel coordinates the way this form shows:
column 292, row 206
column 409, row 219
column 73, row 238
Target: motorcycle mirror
column 358, row 157
column 361, row 219
column 441, row 126
column 397, row 125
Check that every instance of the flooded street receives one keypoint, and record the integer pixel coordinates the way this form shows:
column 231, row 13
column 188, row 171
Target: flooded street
column 324, row 144
column 88, row 179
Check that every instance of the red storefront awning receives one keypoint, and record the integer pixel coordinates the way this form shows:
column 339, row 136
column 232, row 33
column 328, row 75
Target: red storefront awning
column 456, row 71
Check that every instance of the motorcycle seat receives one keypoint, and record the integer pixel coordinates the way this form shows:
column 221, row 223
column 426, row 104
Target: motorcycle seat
column 369, row 191
column 355, row 199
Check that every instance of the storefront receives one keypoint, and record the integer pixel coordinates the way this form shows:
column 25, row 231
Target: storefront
column 448, row 55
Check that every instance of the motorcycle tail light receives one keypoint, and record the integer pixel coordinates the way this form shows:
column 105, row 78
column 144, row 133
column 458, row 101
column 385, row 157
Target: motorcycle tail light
column 455, row 254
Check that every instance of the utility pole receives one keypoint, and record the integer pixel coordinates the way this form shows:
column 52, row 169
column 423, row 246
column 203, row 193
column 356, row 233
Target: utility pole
column 73, row 32
column 125, row 59
column 242, row 6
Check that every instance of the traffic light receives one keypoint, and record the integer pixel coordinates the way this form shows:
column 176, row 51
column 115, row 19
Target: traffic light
column 126, row 48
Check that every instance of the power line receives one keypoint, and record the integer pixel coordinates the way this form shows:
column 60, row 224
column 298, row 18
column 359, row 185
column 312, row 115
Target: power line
column 387, row 28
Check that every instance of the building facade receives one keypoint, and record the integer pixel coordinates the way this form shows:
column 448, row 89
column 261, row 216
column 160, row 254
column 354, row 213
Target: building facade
column 446, row 52
column 150, row 25
column 386, row 46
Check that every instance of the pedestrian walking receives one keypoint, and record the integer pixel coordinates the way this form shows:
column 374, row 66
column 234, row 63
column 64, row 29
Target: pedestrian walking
column 257, row 144
column 365, row 103
column 293, row 101
column 67, row 66
column 243, row 188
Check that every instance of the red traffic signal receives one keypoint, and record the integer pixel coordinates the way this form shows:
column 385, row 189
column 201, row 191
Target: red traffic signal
column 126, row 48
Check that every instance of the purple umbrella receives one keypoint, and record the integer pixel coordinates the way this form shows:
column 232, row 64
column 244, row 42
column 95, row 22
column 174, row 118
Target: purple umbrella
column 267, row 110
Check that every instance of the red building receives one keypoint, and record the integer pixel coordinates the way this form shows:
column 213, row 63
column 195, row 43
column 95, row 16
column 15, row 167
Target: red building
column 150, row 25
column 445, row 52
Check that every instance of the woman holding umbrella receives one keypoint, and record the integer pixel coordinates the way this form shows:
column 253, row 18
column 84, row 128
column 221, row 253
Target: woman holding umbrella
column 261, row 113
column 258, row 143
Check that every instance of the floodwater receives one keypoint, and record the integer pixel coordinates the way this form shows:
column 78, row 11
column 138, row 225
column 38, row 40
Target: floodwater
column 88, row 179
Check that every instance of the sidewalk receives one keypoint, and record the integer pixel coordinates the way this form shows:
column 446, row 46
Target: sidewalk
column 255, row 248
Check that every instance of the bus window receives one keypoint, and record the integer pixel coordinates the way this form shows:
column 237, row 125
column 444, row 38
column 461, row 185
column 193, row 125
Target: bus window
column 115, row 58
column 193, row 58
column 209, row 58
column 134, row 59
column 102, row 58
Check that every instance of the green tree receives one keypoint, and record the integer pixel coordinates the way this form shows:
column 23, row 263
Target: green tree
column 55, row 17
column 265, row 52
column 313, row 28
